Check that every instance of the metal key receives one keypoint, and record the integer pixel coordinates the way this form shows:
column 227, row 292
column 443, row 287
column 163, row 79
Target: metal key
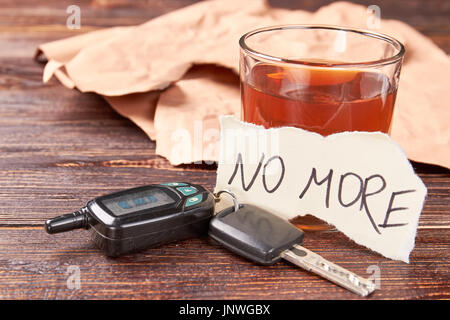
column 265, row 238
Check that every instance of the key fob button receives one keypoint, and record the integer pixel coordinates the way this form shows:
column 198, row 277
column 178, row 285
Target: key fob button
column 174, row 184
column 187, row 190
column 194, row 200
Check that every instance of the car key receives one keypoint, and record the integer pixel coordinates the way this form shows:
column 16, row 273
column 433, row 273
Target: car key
column 265, row 238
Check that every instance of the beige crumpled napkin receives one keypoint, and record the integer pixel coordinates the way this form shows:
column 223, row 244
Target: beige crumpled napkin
column 145, row 73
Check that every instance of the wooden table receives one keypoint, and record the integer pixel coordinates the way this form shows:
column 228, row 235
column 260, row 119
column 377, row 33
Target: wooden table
column 60, row 148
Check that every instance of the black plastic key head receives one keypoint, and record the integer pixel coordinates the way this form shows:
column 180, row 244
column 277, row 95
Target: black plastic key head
column 254, row 233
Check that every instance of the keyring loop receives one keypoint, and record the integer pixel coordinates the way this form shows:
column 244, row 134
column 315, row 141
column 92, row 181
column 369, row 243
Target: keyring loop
column 235, row 202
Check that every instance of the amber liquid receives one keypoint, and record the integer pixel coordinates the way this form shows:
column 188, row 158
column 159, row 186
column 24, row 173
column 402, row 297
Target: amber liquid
column 321, row 100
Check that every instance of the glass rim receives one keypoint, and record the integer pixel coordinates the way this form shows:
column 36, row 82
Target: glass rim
column 380, row 36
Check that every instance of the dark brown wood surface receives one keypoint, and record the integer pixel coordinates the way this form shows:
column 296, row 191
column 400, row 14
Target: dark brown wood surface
column 60, row 148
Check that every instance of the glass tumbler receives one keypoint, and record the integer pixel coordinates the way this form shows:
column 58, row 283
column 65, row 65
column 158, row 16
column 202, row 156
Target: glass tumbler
column 324, row 79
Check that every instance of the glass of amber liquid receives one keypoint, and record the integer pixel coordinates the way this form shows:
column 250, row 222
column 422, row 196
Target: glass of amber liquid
column 324, row 79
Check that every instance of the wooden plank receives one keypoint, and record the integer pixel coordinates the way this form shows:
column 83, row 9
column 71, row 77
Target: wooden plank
column 34, row 195
column 429, row 17
column 35, row 265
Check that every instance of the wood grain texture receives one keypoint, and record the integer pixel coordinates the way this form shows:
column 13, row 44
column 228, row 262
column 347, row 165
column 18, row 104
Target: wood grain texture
column 36, row 267
column 60, row 148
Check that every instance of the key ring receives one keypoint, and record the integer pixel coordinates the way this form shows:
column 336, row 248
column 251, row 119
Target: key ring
column 235, row 202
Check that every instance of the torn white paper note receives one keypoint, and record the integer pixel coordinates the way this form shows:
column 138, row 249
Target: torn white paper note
column 360, row 182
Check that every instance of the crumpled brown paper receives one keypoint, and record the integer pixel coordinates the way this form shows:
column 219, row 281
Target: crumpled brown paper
column 145, row 73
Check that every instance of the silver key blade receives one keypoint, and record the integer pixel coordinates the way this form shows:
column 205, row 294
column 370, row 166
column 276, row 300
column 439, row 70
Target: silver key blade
column 311, row 261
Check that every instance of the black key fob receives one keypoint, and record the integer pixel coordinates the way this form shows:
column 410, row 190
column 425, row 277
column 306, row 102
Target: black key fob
column 254, row 233
column 135, row 219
